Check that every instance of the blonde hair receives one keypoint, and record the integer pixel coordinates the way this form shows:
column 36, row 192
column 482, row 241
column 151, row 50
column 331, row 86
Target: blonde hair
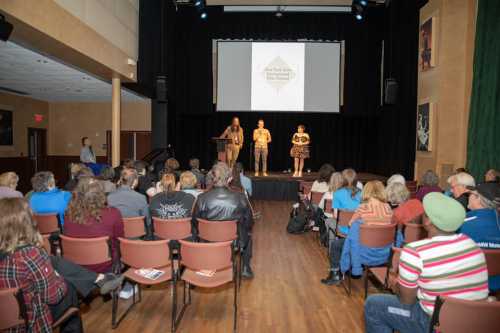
column 350, row 180
column 17, row 226
column 188, row 180
column 88, row 201
column 9, row 179
column 374, row 189
column 167, row 182
column 336, row 181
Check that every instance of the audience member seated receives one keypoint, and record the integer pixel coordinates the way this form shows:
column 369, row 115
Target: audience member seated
column 222, row 204
column 106, row 177
column 171, row 166
column 458, row 186
column 88, row 217
column 129, row 202
column 492, row 176
column 396, row 178
column 324, row 174
column 194, row 165
column 171, row 204
column 49, row 284
column 405, row 209
column 428, row 183
column 482, row 223
column 146, row 179
column 336, row 182
column 349, row 196
column 125, row 164
column 77, row 171
column 46, row 198
column 246, row 183
column 374, row 209
column 188, row 183
column 8, row 185
column 458, row 270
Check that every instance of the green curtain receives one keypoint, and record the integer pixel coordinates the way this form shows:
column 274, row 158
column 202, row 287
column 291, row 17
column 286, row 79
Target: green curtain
column 483, row 144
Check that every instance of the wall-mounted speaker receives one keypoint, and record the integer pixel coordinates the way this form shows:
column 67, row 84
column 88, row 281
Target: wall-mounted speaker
column 161, row 89
column 391, row 88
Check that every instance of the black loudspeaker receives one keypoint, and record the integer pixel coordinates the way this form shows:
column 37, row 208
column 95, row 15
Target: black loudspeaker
column 161, row 89
column 5, row 28
column 391, row 91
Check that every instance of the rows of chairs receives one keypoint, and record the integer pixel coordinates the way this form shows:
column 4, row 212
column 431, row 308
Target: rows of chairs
column 178, row 259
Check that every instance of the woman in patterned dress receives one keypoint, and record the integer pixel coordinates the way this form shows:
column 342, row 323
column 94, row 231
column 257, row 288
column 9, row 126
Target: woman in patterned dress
column 300, row 150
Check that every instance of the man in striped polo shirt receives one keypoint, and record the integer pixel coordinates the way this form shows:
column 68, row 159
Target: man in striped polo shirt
column 445, row 264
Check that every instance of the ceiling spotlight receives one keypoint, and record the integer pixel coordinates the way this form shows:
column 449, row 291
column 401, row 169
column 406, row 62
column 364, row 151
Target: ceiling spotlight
column 359, row 17
column 197, row 3
column 358, row 9
column 363, row 3
column 203, row 15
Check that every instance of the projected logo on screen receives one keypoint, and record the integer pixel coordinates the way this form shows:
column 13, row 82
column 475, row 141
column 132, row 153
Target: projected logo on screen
column 278, row 73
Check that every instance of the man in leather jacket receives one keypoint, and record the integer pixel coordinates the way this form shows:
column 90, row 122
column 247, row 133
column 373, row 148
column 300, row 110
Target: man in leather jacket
column 222, row 204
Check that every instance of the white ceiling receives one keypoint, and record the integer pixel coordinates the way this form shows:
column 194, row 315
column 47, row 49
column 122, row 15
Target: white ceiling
column 47, row 79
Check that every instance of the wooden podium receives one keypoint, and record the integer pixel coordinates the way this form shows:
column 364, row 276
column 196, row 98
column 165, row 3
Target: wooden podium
column 221, row 144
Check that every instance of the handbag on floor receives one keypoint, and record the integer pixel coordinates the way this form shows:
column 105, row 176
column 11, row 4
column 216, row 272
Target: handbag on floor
column 298, row 219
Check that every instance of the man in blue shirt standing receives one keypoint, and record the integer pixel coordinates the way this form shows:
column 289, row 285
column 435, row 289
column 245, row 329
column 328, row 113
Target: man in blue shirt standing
column 46, row 197
column 482, row 222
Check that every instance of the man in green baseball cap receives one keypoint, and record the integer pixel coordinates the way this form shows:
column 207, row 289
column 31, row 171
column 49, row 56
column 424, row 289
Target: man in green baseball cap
column 454, row 266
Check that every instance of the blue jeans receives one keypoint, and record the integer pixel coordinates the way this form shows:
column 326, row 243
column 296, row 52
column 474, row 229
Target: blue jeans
column 385, row 313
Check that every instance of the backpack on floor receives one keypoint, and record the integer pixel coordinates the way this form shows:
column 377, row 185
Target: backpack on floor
column 298, row 219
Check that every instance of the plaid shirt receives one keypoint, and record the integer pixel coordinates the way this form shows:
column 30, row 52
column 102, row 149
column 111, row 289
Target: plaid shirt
column 29, row 269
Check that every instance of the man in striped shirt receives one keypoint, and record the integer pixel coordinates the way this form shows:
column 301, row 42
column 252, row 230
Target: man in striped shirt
column 445, row 264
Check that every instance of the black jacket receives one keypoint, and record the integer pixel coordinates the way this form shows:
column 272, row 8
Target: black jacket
column 222, row 204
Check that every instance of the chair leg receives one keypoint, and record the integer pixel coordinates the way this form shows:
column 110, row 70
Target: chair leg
column 365, row 276
column 116, row 321
column 178, row 318
column 240, row 269
column 174, row 303
column 235, row 307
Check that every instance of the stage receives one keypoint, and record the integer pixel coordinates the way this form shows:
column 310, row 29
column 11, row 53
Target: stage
column 282, row 186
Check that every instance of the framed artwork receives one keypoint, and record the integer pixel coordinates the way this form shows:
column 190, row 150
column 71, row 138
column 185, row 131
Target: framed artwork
column 428, row 44
column 6, row 130
column 424, row 126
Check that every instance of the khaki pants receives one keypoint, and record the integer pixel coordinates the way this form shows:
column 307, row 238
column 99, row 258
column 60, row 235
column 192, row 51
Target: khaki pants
column 261, row 152
column 232, row 152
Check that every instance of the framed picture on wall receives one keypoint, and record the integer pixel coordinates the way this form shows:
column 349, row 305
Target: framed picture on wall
column 428, row 44
column 6, row 130
column 425, row 126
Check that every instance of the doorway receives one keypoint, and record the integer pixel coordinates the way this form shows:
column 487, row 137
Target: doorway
column 37, row 149
column 134, row 145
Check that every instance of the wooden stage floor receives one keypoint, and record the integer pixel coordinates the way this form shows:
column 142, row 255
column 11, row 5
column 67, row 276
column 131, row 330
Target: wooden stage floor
column 285, row 296
column 310, row 177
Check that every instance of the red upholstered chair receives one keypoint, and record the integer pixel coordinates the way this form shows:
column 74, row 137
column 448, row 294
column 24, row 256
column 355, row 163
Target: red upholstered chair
column 13, row 311
column 86, row 251
column 217, row 231
column 134, row 227
column 328, row 206
column 375, row 236
column 316, row 197
column 137, row 254
column 453, row 315
column 413, row 232
column 198, row 259
column 492, row 261
column 47, row 223
column 172, row 229
column 343, row 219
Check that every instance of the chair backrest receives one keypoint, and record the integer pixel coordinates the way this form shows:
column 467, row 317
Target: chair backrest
column 492, row 261
column 86, row 251
column 411, row 185
column 10, row 308
column 206, row 256
column 464, row 316
column 172, row 229
column 47, row 223
column 144, row 254
column 328, row 206
column 316, row 197
column 414, row 232
column 134, row 227
column 394, row 264
column 46, row 243
column 374, row 235
column 217, row 231
column 344, row 216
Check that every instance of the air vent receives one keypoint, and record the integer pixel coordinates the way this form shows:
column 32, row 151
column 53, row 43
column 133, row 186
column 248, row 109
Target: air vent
column 13, row 91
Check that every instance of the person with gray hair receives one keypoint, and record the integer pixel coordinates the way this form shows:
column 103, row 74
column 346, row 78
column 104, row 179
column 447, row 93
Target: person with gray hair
column 222, row 204
column 396, row 178
column 492, row 176
column 428, row 183
column 458, row 187
column 46, row 197
column 482, row 222
column 405, row 209
column 194, row 165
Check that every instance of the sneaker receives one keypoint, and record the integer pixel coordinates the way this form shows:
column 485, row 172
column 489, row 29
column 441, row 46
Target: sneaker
column 128, row 291
column 109, row 283
column 334, row 277
column 247, row 272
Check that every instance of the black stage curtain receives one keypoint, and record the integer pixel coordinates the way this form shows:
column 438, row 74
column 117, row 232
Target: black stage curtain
column 365, row 135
